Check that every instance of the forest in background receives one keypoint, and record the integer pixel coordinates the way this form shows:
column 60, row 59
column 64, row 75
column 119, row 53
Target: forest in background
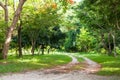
column 38, row 26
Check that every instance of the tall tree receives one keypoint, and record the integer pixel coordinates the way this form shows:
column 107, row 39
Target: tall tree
column 11, row 28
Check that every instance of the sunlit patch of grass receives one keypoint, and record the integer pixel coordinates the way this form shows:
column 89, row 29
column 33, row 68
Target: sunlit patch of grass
column 27, row 62
column 80, row 59
column 109, row 71
column 110, row 65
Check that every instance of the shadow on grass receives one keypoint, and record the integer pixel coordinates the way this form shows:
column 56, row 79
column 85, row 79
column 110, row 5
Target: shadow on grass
column 26, row 63
column 110, row 65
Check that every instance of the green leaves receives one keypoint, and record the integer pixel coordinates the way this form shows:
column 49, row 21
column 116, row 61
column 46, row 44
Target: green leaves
column 85, row 40
column 2, row 32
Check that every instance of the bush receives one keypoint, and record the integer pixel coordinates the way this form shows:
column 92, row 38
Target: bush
column 118, row 50
column 103, row 51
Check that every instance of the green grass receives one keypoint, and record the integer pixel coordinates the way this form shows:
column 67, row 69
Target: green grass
column 77, row 56
column 26, row 63
column 81, row 64
column 80, row 59
column 110, row 65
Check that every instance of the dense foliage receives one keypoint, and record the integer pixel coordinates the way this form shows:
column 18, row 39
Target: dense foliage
column 90, row 25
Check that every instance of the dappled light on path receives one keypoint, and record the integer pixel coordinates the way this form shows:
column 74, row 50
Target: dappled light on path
column 92, row 67
column 64, row 68
column 62, row 73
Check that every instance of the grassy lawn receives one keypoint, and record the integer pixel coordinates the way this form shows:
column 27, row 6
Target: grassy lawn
column 13, row 64
column 110, row 65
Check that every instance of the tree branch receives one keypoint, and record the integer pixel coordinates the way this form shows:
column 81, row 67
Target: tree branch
column 2, row 5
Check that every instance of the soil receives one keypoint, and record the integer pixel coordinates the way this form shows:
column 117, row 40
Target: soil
column 63, row 72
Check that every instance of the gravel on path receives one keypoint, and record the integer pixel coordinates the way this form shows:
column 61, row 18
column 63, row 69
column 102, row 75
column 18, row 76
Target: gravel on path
column 73, row 75
column 39, row 75
column 92, row 67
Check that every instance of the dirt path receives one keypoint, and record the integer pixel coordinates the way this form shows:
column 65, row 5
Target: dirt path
column 92, row 66
column 64, row 68
column 56, row 73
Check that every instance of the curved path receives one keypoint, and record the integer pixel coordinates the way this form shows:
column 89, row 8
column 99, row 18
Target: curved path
column 92, row 66
column 64, row 68
column 52, row 74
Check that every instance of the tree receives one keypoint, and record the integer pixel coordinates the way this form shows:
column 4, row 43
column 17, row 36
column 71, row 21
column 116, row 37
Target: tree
column 40, row 20
column 15, row 20
column 2, row 35
column 5, row 7
column 101, row 16
column 11, row 28
column 85, row 40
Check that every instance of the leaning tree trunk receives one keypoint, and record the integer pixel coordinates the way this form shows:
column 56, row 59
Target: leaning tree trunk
column 11, row 28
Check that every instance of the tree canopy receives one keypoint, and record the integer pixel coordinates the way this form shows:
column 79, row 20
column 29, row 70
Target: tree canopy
column 69, row 25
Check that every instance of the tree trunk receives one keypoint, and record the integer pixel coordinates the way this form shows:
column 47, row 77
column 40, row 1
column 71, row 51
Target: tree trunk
column 14, row 5
column 11, row 28
column 6, row 12
column 42, row 48
column 19, row 39
column 48, row 50
column 109, row 45
column 33, row 47
column 5, row 8
column 39, row 49
column 43, row 51
column 114, row 43
column 103, row 41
